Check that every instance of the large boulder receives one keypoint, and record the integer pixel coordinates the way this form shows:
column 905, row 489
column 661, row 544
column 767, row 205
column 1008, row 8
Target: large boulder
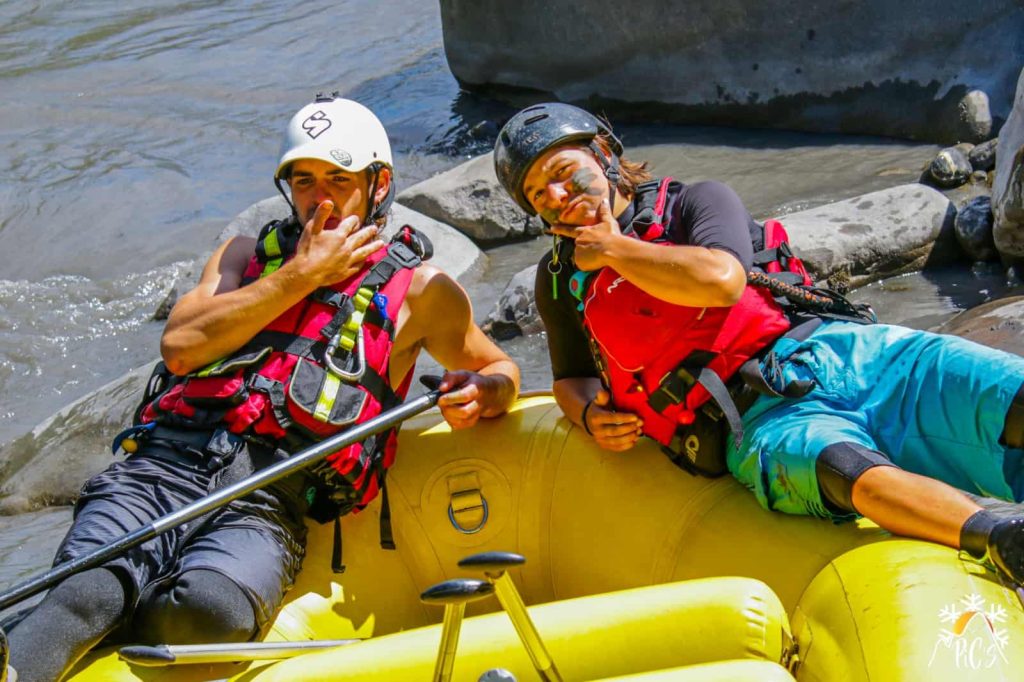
column 49, row 464
column 1008, row 187
column 470, row 198
column 999, row 324
column 453, row 252
column 941, row 71
column 875, row 235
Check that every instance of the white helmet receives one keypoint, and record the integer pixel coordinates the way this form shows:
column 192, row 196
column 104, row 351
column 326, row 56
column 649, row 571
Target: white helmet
column 343, row 133
column 338, row 131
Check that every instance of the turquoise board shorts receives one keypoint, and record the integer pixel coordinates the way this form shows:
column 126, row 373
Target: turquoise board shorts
column 933, row 404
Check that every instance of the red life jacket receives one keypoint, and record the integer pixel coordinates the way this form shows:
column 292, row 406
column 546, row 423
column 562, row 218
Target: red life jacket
column 317, row 369
column 664, row 361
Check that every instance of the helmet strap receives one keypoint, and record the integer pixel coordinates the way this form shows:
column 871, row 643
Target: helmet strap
column 371, row 197
column 277, row 183
column 611, row 171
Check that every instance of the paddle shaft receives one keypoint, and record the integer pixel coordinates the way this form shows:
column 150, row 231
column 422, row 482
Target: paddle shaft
column 299, row 460
column 186, row 654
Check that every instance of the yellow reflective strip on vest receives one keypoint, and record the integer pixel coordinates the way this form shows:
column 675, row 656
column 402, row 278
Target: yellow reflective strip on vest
column 350, row 330
column 205, row 371
column 271, row 266
column 325, row 401
column 271, row 245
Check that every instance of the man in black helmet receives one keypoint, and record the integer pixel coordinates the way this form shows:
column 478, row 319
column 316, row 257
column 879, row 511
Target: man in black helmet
column 286, row 340
column 813, row 410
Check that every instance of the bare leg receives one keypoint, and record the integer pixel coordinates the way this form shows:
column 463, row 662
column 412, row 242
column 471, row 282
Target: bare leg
column 909, row 504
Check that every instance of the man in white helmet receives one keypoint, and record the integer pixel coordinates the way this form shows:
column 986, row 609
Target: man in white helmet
column 287, row 339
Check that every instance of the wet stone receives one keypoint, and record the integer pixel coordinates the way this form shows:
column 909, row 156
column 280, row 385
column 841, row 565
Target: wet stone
column 515, row 313
column 950, row 168
column 974, row 229
column 983, row 156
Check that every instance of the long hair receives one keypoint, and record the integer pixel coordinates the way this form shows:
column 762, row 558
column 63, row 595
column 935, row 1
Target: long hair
column 631, row 173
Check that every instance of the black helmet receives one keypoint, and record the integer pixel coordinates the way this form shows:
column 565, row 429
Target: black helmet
column 535, row 130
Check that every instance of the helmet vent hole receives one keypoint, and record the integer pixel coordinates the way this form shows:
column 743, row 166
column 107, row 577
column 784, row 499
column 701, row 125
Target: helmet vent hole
column 534, row 119
column 505, row 139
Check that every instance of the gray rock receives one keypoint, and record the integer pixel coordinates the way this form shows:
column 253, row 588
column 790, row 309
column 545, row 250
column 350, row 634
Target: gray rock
column 248, row 222
column 983, row 156
column 950, row 168
column 515, row 313
column 998, row 324
column 875, row 235
column 941, row 71
column 453, row 252
column 164, row 309
column 469, row 198
column 1008, row 186
column 975, row 117
column 49, row 464
column 973, row 227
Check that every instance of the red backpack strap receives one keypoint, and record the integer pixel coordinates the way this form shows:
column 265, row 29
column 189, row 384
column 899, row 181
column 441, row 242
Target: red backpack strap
column 777, row 256
column 649, row 222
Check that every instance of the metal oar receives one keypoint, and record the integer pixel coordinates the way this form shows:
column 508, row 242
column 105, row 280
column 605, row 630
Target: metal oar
column 299, row 460
column 454, row 594
column 494, row 565
column 182, row 654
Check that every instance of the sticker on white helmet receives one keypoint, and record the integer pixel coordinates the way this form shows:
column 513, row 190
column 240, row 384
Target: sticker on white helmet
column 342, row 157
column 316, row 124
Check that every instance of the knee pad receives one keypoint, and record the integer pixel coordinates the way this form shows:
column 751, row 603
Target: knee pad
column 1013, row 427
column 839, row 466
column 198, row 606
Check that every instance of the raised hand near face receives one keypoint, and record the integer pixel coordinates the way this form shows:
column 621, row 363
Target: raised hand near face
column 331, row 250
column 593, row 242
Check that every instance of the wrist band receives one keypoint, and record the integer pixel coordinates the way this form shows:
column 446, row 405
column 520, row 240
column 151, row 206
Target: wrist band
column 583, row 417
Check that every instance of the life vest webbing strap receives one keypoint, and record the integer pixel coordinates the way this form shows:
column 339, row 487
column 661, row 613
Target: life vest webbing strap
column 674, row 386
column 275, row 391
column 752, row 375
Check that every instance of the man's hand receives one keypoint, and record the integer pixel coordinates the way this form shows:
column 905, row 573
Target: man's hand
column 460, row 399
column 615, row 431
column 329, row 250
column 592, row 241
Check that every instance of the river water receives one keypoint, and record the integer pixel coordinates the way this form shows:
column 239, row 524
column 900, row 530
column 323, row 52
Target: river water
column 133, row 132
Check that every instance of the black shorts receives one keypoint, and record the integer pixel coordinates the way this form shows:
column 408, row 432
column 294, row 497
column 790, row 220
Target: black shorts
column 258, row 541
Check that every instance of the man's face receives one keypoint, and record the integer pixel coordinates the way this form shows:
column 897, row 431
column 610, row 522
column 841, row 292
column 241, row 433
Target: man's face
column 314, row 181
column 566, row 185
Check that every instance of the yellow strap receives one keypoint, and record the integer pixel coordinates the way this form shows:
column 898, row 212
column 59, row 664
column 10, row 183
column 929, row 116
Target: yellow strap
column 271, row 245
column 350, row 330
column 271, row 266
column 328, row 394
column 205, row 371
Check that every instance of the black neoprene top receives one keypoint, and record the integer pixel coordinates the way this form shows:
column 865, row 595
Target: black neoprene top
column 708, row 214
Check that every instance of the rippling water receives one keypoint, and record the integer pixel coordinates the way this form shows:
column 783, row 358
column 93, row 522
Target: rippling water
column 133, row 132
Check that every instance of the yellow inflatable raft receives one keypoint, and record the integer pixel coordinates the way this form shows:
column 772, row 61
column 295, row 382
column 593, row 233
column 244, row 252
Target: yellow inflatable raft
column 635, row 570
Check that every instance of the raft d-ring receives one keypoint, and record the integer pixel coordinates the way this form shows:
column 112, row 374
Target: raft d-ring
column 476, row 501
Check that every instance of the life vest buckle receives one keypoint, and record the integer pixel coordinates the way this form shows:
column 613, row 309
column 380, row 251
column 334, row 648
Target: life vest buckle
column 357, row 354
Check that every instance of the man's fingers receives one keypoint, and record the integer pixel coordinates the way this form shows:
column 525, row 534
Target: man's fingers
column 619, row 444
column 350, row 225
column 364, row 252
column 565, row 231
column 599, row 417
column 462, row 396
column 320, row 216
column 611, row 430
